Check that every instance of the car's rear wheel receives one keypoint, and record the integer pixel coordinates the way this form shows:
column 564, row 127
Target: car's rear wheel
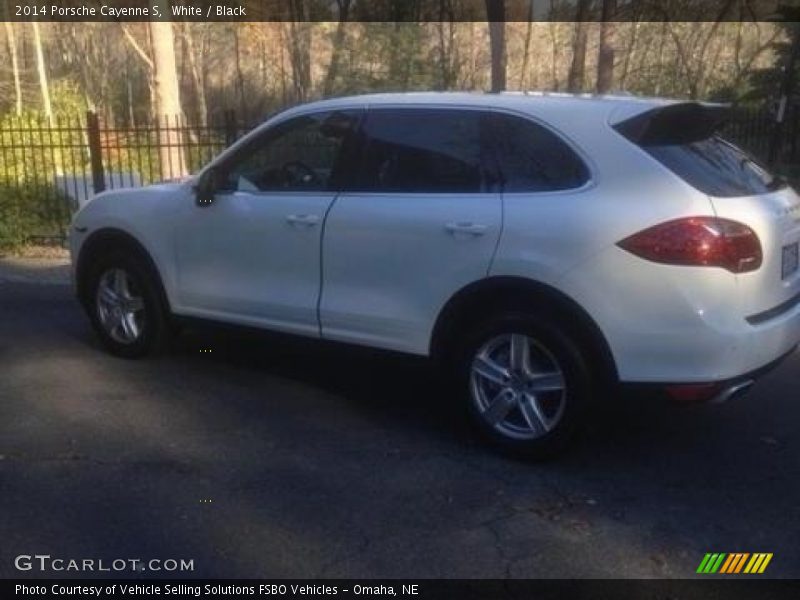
column 125, row 307
column 526, row 383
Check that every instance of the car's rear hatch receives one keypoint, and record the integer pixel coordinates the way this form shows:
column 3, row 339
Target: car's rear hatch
column 774, row 289
column 684, row 137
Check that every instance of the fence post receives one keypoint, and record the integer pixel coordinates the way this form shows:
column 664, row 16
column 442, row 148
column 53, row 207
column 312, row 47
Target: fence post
column 95, row 152
column 230, row 127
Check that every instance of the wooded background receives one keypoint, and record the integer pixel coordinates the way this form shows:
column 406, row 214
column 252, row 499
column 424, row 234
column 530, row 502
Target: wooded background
column 87, row 106
column 136, row 70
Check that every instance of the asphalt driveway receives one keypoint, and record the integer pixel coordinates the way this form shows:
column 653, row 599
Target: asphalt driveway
column 279, row 458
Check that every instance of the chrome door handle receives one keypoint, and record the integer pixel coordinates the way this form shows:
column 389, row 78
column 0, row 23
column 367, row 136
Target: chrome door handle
column 307, row 220
column 470, row 228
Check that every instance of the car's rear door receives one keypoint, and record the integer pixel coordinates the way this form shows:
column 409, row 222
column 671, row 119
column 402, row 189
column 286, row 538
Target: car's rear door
column 420, row 221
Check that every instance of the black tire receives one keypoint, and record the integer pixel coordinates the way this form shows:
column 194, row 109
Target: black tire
column 154, row 324
column 555, row 346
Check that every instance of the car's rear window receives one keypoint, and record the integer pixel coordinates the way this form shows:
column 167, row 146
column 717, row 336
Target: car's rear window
column 684, row 137
column 715, row 167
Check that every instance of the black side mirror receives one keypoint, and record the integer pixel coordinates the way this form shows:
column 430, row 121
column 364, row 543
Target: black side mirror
column 206, row 186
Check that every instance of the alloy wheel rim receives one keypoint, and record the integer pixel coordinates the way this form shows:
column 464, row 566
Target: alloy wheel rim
column 517, row 386
column 120, row 308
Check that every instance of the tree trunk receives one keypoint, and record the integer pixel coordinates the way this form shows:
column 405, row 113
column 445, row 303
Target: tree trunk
column 197, row 80
column 629, row 54
column 12, row 50
column 239, row 73
column 300, row 49
column 443, row 56
column 282, row 45
column 168, row 100
column 660, row 59
column 336, row 49
column 473, row 58
column 129, row 89
column 42, row 70
column 553, row 27
column 578, row 67
column 605, row 59
column 496, row 14
column 526, row 49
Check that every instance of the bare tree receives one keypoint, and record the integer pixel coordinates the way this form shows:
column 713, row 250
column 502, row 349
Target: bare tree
column 12, row 50
column 743, row 66
column 662, row 42
column 278, row 64
column 471, row 75
column 239, row 73
column 526, row 47
column 605, row 59
column 448, row 47
column 168, row 99
column 554, row 55
column 691, row 50
column 786, row 93
column 198, row 82
column 578, row 67
column 299, row 30
column 496, row 14
column 83, row 48
column 165, row 94
column 630, row 52
column 41, row 68
column 336, row 47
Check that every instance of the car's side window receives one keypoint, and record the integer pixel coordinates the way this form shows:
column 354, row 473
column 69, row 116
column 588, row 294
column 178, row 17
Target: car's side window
column 534, row 159
column 301, row 154
column 422, row 150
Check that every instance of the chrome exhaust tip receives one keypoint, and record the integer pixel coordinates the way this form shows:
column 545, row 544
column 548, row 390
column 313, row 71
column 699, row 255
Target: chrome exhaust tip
column 732, row 390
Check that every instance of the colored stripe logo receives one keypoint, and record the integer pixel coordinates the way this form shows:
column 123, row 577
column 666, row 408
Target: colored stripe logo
column 733, row 563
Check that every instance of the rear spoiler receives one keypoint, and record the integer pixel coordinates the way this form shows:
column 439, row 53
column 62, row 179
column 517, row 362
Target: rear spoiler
column 672, row 124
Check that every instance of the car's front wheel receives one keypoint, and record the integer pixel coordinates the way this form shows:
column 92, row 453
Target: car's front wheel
column 526, row 383
column 125, row 306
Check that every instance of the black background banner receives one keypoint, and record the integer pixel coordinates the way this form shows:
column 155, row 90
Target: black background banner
column 717, row 588
column 391, row 10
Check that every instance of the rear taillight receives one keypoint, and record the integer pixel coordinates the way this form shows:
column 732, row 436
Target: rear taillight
column 698, row 241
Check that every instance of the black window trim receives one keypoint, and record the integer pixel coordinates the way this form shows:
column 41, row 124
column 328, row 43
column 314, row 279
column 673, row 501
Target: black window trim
column 357, row 155
column 591, row 168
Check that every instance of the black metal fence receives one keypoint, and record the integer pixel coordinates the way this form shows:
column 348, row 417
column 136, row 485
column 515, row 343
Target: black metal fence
column 50, row 168
column 754, row 129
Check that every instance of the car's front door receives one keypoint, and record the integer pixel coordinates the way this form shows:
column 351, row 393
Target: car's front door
column 421, row 221
column 253, row 254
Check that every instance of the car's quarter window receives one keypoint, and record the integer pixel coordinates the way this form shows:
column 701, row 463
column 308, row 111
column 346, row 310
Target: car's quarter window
column 532, row 158
column 422, row 150
column 302, row 154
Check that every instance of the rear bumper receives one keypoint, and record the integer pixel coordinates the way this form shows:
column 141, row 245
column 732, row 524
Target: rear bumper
column 681, row 325
column 716, row 392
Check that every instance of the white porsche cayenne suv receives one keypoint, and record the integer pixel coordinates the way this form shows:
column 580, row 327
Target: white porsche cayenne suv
column 541, row 246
